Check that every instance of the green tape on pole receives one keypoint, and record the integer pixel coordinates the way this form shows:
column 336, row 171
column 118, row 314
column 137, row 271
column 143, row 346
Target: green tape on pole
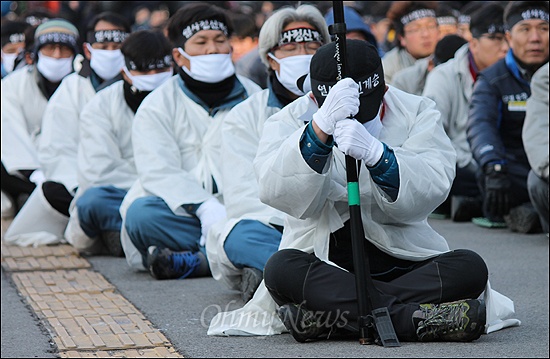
column 353, row 193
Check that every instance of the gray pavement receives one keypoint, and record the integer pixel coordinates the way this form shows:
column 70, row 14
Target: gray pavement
column 518, row 268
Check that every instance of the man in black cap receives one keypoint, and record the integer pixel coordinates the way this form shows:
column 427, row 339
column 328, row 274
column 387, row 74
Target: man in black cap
column 496, row 116
column 406, row 165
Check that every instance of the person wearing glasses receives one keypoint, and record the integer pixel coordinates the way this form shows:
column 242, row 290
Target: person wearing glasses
column 417, row 34
column 496, row 117
column 287, row 42
column 450, row 86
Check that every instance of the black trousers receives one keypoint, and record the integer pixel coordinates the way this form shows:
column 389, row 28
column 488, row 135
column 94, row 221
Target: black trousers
column 465, row 182
column 56, row 194
column 15, row 186
column 293, row 276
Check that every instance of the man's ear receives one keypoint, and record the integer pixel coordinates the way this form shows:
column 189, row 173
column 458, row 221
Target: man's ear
column 125, row 77
column 29, row 58
column 402, row 41
column 179, row 59
column 87, row 53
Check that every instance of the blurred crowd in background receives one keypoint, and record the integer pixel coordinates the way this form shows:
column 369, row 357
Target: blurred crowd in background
column 155, row 14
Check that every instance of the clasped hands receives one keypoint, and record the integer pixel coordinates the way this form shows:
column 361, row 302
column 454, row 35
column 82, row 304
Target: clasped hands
column 335, row 117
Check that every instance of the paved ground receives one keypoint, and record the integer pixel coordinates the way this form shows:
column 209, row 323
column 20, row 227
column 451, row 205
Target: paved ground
column 120, row 313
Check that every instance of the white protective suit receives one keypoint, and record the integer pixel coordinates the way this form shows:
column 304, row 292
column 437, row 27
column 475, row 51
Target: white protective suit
column 450, row 85
column 395, row 60
column 319, row 206
column 105, row 153
column 58, row 144
column 242, row 130
column 57, row 153
column 23, row 107
column 177, row 152
column 413, row 78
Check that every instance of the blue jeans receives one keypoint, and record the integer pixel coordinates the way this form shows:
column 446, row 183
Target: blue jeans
column 98, row 210
column 250, row 244
column 150, row 222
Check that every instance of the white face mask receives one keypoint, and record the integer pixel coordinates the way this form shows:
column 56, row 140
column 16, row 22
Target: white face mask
column 291, row 69
column 106, row 63
column 54, row 69
column 148, row 82
column 8, row 60
column 209, row 68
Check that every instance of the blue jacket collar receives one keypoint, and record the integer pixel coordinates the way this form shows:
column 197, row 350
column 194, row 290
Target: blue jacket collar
column 513, row 67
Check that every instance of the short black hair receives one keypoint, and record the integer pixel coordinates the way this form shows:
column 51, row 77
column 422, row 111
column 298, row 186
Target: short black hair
column 398, row 9
column 191, row 13
column 145, row 47
column 489, row 14
column 110, row 17
column 36, row 16
column 446, row 48
column 10, row 27
column 244, row 25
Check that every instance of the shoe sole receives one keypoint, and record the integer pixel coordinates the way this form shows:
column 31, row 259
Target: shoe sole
column 113, row 245
column 150, row 259
column 523, row 220
column 250, row 281
column 482, row 313
column 287, row 316
column 484, row 222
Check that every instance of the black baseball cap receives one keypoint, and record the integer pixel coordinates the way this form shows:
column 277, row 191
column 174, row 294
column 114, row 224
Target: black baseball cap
column 363, row 65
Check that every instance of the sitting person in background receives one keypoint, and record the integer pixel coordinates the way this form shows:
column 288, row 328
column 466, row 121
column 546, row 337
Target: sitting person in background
column 446, row 20
column 58, row 147
column 40, row 220
column 416, row 32
column 237, row 257
column 535, row 140
column 450, row 86
column 463, row 25
column 106, row 168
column 244, row 43
column 496, row 116
column 176, row 137
column 13, row 43
column 413, row 78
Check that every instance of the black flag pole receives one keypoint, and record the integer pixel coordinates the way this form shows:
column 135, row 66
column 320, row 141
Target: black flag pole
column 375, row 326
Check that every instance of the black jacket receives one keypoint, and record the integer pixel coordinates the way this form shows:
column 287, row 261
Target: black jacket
column 496, row 115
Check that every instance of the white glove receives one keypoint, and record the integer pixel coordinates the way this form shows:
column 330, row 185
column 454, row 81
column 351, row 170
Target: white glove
column 209, row 212
column 37, row 177
column 342, row 101
column 354, row 140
